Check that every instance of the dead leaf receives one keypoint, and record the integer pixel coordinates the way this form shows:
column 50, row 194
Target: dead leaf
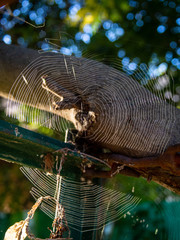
column 17, row 231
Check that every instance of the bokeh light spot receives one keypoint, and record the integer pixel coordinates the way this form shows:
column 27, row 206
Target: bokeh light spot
column 130, row 16
column 121, row 53
column 161, row 29
column 107, row 25
column 7, row 39
column 173, row 44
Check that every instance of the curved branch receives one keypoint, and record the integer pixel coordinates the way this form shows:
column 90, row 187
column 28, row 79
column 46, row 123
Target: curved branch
column 93, row 106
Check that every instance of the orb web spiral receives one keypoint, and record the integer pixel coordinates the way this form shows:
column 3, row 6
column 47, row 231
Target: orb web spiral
column 109, row 107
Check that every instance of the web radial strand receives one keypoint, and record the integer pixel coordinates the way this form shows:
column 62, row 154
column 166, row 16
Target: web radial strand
column 87, row 206
column 136, row 120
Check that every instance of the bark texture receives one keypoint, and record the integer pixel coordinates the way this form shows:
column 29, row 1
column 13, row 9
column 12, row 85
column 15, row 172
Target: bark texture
column 109, row 109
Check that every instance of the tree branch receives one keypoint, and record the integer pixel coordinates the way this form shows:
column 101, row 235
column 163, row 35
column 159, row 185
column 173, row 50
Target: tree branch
column 143, row 135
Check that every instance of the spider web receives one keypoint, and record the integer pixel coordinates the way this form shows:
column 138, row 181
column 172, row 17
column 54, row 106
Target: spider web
column 109, row 108
column 59, row 92
column 87, row 207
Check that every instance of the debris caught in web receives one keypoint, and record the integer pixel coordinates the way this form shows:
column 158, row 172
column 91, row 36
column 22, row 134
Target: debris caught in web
column 20, row 230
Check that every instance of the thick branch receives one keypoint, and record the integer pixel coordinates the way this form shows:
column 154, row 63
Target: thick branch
column 99, row 100
column 13, row 60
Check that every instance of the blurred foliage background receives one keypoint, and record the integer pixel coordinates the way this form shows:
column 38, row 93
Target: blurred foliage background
column 135, row 35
